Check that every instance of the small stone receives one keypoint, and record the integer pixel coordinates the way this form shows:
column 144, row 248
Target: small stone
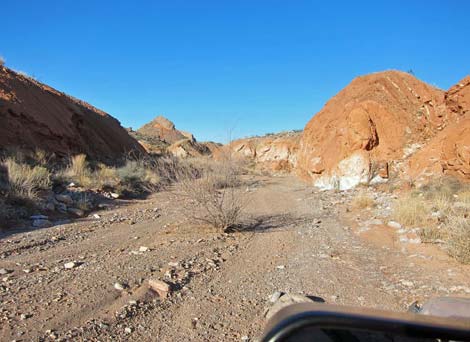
column 128, row 330
column 281, row 267
column 143, row 249
column 76, row 212
column 96, row 216
column 72, row 185
column 114, row 195
column 70, row 265
column 67, row 199
column 160, row 287
column 275, row 296
column 39, row 217
column 24, row 316
column 173, row 264
column 394, row 224
column 245, row 339
column 119, row 286
column 41, row 223
column 4, row 271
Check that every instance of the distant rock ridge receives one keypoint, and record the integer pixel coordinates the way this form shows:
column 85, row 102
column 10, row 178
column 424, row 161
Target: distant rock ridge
column 165, row 130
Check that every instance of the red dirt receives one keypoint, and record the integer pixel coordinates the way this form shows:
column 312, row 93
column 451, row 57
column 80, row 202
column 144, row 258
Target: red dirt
column 36, row 116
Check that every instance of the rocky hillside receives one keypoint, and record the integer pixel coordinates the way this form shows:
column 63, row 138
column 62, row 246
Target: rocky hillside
column 36, row 116
column 164, row 130
column 275, row 152
column 161, row 136
column 376, row 124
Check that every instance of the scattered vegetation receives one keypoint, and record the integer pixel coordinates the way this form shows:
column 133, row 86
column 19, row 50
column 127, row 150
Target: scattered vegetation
column 441, row 209
column 22, row 181
column 211, row 191
column 411, row 210
column 362, row 201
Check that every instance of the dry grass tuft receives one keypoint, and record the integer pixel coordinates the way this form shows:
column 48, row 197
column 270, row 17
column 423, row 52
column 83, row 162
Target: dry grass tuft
column 411, row 210
column 78, row 171
column 20, row 180
column 458, row 242
column 362, row 201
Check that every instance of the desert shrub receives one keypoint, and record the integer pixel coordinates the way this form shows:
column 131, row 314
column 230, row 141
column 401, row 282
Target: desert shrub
column 411, row 210
column 445, row 187
column 464, row 197
column 77, row 171
column 211, row 193
column 137, row 177
column 362, row 201
column 432, row 234
column 105, row 177
column 458, row 242
column 2, row 61
column 21, row 180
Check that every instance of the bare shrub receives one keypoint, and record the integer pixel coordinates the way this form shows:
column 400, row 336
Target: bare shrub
column 362, row 201
column 2, row 61
column 22, row 180
column 211, row 193
column 458, row 242
column 411, row 210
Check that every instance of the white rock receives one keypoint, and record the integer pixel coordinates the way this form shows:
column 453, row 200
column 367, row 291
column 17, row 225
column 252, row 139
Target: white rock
column 70, row 265
column 4, row 271
column 114, row 195
column 275, row 296
column 119, row 286
column 96, row 216
column 280, row 267
column 394, row 224
column 127, row 330
column 143, row 249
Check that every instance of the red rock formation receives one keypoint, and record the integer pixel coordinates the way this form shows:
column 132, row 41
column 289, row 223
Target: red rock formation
column 449, row 151
column 377, row 120
column 36, row 116
column 164, row 130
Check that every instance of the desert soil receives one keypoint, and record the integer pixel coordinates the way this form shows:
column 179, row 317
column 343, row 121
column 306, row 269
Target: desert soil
column 295, row 240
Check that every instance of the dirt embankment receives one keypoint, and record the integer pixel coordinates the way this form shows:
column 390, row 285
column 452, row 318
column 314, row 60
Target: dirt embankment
column 36, row 116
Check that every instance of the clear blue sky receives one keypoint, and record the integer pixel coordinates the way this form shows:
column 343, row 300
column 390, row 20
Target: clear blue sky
column 257, row 66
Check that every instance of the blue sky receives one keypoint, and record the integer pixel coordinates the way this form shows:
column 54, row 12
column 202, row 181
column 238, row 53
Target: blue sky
column 215, row 66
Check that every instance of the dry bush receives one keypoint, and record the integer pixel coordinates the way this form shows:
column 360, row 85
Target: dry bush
column 211, row 192
column 411, row 210
column 362, row 201
column 464, row 197
column 445, row 187
column 2, row 61
column 78, row 171
column 458, row 242
column 23, row 181
column 105, row 177
column 432, row 234
column 137, row 177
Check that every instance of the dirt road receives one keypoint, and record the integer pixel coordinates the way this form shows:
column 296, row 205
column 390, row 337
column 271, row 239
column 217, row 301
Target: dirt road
column 88, row 280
